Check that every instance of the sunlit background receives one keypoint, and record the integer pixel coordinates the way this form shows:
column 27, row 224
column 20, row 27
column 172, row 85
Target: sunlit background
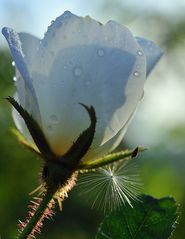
column 159, row 124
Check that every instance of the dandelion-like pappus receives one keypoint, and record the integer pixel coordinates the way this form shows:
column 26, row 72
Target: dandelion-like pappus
column 110, row 187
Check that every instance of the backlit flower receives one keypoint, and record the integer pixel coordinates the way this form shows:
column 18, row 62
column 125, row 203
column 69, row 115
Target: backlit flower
column 80, row 60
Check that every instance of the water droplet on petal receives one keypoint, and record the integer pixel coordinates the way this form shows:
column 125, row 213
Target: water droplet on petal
column 101, row 52
column 140, row 53
column 77, row 71
column 67, row 14
column 14, row 78
column 58, row 24
column 54, row 119
column 13, row 63
column 136, row 73
column 52, row 21
column 150, row 46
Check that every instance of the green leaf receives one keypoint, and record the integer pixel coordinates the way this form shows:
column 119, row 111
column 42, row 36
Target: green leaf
column 148, row 219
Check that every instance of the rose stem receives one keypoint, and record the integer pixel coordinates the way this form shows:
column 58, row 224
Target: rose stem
column 37, row 216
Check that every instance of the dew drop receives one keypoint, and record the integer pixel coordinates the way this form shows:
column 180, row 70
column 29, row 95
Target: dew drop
column 58, row 24
column 140, row 53
column 101, row 52
column 150, row 46
column 52, row 21
column 77, row 71
column 13, row 63
column 67, row 14
column 54, row 119
column 136, row 73
column 14, row 78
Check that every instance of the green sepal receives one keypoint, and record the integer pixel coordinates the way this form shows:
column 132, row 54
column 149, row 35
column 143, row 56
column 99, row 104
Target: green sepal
column 110, row 158
column 25, row 143
column 82, row 144
column 35, row 130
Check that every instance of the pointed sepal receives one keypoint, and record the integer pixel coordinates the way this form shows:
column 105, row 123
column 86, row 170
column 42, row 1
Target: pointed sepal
column 83, row 143
column 35, row 130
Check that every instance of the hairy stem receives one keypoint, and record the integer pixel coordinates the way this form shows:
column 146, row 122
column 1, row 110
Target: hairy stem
column 27, row 231
column 42, row 208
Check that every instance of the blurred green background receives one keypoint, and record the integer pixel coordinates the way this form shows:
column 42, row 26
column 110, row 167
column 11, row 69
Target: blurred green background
column 159, row 123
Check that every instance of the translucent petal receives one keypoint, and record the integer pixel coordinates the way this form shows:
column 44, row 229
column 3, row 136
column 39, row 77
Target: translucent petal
column 29, row 45
column 23, row 47
column 152, row 51
column 80, row 60
column 110, row 145
column 17, row 53
column 20, row 124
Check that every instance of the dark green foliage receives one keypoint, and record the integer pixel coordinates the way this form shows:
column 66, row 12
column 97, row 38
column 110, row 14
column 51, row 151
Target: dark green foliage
column 149, row 218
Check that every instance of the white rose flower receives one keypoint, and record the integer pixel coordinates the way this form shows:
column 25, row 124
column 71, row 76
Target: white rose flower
column 80, row 60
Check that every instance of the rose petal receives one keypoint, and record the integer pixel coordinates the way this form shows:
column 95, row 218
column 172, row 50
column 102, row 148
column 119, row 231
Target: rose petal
column 110, row 145
column 152, row 51
column 16, row 49
column 20, row 124
column 23, row 47
column 29, row 45
column 80, row 60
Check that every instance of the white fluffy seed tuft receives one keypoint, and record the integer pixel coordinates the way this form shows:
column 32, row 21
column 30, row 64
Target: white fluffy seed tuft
column 112, row 186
